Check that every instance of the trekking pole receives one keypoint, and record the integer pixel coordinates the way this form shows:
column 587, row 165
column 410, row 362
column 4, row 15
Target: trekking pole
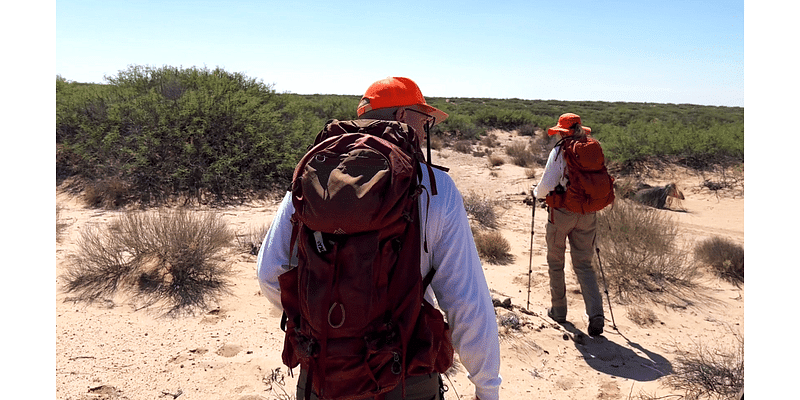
column 530, row 258
column 605, row 285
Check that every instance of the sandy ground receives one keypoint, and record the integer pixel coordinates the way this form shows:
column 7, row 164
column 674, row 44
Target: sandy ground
column 111, row 350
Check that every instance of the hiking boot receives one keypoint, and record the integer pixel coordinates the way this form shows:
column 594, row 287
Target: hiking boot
column 596, row 325
column 552, row 316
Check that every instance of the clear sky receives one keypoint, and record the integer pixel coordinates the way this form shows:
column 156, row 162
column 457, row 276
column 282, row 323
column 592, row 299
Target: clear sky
column 675, row 51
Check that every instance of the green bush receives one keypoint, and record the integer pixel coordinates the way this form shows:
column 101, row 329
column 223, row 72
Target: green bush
column 462, row 126
column 639, row 140
column 502, row 118
column 181, row 132
column 631, row 131
column 213, row 135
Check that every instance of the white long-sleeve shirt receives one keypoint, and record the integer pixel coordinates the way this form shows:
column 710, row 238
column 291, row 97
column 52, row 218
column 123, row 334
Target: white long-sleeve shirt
column 553, row 174
column 459, row 284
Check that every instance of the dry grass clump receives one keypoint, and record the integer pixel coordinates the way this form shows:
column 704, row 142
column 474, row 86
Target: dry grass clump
column 641, row 255
column 527, row 130
column 642, row 316
column 530, row 173
column 61, row 224
column 463, row 146
column 436, row 142
column 481, row 209
column 109, row 193
column 521, row 154
column 250, row 240
column 532, row 152
column 725, row 257
column 490, row 141
column 495, row 160
column 625, row 188
column 169, row 257
column 492, row 246
column 710, row 372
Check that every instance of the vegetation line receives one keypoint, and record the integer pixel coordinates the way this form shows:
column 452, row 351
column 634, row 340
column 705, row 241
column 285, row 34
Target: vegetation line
column 154, row 134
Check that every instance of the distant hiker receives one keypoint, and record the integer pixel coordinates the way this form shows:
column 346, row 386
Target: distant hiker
column 658, row 196
column 575, row 184
column 352, row 293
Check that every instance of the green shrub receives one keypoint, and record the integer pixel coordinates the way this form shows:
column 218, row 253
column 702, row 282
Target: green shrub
column 639, row 140
column 213, row 135
column 462, row 126
column 171, row 132
column 502, row 118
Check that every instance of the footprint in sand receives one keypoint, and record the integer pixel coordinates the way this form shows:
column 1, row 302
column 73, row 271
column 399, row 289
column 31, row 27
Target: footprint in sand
column 229, row 350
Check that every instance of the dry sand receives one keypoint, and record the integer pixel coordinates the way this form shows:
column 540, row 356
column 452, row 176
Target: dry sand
column 111, row 350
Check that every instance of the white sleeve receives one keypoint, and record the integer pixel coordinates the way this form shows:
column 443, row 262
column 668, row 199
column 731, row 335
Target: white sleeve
column 273, row 258
column 552, row 176
column 461, row 289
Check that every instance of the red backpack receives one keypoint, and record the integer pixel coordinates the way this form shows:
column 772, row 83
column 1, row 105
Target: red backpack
column 589, row 188
column 354, row 313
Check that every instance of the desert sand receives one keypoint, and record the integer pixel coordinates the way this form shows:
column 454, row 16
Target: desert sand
column 111, row 350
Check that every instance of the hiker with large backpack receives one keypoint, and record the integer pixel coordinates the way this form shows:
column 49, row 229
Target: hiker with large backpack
column 575, row 185
column 378, row 236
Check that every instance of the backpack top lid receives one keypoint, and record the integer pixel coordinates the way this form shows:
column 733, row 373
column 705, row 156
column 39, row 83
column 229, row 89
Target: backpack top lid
column 357, row 177
column 567, row 123
column 585, row 154
column 397, row 92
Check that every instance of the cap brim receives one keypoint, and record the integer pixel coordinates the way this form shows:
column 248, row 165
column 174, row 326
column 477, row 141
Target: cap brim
column 557, row 130
column 437, row 113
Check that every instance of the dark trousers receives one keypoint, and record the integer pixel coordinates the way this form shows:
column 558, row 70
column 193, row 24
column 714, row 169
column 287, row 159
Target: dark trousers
column 423, row 387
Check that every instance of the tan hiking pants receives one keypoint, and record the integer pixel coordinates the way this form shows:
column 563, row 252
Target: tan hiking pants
column 580, row 230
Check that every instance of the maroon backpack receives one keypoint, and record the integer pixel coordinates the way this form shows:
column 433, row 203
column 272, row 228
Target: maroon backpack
column 590, row 187
column 354, row 313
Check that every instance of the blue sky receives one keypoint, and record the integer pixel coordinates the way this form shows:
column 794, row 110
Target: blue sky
column 639, row 51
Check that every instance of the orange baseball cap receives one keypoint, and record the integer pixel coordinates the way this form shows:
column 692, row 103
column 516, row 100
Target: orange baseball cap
column 565, row 124
column 397, row 92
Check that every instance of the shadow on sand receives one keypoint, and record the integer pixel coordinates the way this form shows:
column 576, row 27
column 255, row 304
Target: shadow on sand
column 630, row 361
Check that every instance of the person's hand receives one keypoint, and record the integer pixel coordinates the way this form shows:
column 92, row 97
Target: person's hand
column 542, row 203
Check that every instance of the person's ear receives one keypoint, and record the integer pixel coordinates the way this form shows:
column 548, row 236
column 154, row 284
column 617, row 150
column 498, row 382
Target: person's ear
column 400, row 114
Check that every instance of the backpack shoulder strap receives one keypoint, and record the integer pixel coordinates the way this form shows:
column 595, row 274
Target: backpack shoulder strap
column 428, row 279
